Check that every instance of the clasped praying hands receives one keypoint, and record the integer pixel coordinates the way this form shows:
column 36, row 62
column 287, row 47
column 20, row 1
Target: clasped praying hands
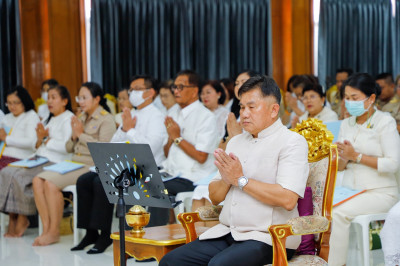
column 173, row 129
column 77, row 127
column 229, row 166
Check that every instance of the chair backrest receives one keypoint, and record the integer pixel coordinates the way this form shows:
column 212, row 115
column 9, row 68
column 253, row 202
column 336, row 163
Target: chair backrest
column 323, row 162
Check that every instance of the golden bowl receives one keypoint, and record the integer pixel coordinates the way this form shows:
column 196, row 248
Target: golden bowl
column 137, row 218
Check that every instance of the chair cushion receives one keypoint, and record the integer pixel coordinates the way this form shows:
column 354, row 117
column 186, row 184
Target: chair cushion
column 309, row 224
column 308, row 260
column 209, row 212
column 305, row 208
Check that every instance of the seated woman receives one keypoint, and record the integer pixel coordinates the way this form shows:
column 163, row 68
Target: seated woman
column 22, row 121
column 314, row 102
column 213, row 96
column 95, row 124
column 369, row 156
column 16, row 182
column 167, row 97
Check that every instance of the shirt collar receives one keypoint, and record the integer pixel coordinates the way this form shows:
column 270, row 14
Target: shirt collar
column 188, row 109
column 146, row 108
column 269, row 130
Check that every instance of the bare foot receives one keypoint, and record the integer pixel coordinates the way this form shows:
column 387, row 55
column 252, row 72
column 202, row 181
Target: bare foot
column 11, row 226
column 36, row 241
column 22, row 225
column 48, row 239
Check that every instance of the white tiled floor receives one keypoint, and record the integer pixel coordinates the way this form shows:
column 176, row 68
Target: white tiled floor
column 19, row 252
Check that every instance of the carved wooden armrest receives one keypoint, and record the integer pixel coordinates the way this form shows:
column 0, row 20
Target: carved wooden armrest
column 304, row 225
column 205, row 213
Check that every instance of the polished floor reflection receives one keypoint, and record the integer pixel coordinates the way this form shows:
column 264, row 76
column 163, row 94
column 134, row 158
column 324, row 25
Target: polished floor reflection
column 19, row 252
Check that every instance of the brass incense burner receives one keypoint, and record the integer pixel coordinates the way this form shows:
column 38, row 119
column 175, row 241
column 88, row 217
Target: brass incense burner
column 137, row 217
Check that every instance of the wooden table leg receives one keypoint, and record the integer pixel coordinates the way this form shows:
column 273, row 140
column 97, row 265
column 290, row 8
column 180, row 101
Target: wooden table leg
column 116, row 252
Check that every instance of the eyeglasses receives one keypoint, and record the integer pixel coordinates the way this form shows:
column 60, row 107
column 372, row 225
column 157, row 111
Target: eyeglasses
column 180, row 87
column 310, row 98
column 80, row 99
column 12, row 103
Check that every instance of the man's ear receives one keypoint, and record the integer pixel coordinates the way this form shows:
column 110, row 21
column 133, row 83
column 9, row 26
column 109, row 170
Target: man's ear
column 275, row 110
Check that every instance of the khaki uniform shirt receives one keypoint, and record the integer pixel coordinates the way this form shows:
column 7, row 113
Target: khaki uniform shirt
column 393, row 107
column 100, row 127
column 277, row 156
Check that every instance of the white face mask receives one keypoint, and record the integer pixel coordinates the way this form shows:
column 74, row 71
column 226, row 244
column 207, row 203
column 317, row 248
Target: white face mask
column 136, row 98
column 45, row 96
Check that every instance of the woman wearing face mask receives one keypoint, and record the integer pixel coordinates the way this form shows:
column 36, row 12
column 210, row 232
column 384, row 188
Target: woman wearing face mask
column 95, row 124
column 369, row 156
column 52, row 134
column 314, row 102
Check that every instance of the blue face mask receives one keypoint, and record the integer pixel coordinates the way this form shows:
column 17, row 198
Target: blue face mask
column 356, row 108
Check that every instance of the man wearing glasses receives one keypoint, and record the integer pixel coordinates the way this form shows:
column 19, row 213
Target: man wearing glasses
column 192, row 137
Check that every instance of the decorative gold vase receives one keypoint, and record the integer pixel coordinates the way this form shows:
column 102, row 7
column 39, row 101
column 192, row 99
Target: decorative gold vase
column 137, row 218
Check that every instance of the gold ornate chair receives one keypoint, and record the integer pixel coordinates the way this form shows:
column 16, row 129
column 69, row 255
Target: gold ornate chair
column 323, row 162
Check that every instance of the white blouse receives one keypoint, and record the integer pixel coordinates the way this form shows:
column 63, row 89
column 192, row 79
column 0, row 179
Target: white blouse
column 221, row 114
column 377, row 137
column 326, row 115
column 20, row 143
column 59, row 133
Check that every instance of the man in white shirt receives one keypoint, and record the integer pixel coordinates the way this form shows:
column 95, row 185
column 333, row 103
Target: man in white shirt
column 261, row 176
column 143, row 125
column 192, row 138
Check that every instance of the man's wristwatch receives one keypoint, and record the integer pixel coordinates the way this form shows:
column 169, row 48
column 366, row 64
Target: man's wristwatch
column 359, row 157
column 177, row 141
column 242, row 182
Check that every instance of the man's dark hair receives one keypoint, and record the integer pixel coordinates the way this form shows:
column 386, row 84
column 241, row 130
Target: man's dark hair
column 52, row 83
column 266, row 84
column 194, row 78
column 388, row 77
column 349, row 71
column 149, row 81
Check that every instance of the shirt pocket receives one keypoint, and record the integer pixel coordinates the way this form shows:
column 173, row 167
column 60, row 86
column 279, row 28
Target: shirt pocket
column 263, row 168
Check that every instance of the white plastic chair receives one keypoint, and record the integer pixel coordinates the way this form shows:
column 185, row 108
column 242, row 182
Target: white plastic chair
column 359, row 238
column 186, row 205
column 72, row 189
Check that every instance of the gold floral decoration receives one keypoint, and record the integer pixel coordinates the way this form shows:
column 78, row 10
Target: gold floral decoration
column 318, row 137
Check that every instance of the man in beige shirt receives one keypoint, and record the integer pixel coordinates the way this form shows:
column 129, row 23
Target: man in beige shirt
column 261, row 176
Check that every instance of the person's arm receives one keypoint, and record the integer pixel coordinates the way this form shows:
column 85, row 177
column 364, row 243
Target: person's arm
column 29, row 139
column 58, row 142
column 217, row 191
column 190, row 150
column 167, row 147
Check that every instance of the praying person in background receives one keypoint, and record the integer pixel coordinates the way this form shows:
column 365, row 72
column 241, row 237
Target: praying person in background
column 144, row 125
column 314, row 102
column 389, row 100
column 167, row 97
column 333, row 94
column 22, row 120
column 213, row 96
column 16, row 196
column 95, row 124
column 229, row 87
column 123, row 102
column 293, row 98
column 253, row 200
column 192, row 138
column 41, row 103
column 397, row 116
column 369, row 156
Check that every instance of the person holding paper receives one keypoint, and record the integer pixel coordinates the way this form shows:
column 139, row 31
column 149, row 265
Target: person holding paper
column 143, row 125
column 369, row 150
column 261, row 176
column 16, row 182
column 95, row 124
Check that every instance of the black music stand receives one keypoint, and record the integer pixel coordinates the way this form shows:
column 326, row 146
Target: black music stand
column 128, row 172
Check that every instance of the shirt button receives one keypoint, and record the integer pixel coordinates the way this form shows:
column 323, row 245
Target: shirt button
column 233, row 203
column 232, row 227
